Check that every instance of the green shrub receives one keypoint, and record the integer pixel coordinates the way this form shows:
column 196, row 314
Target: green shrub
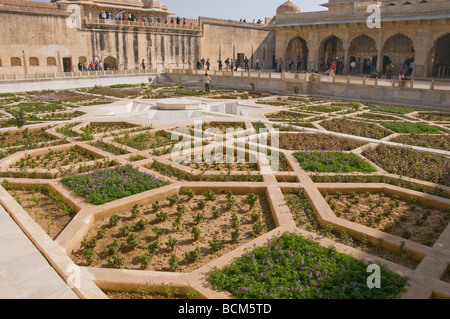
column 114, row 220
column 248, row 277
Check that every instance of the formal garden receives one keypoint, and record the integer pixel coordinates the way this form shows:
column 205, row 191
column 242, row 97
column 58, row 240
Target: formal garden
column 354, row 185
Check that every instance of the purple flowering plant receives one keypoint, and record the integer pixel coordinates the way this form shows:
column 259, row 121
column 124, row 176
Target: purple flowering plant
column 293, row 267
column 105, row 185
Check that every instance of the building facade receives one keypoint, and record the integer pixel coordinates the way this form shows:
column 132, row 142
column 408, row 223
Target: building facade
column 54, row 37
column 397, row 31
column 121, row 34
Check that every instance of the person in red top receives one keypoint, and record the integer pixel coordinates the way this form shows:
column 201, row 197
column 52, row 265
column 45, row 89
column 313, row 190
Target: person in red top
column 332, row 69
column 338, row 67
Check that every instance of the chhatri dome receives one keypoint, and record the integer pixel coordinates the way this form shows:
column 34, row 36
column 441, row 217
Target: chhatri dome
column 288, row 7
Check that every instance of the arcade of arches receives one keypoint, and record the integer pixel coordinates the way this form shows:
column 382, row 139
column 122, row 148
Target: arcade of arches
column 397, row 49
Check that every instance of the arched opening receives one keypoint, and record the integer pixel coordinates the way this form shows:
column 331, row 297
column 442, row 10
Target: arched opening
column 297, row 54
column 330, row 50
column 400, row 50
column 441, row 60
column 34, row 61
column 16, row 61
column 110, row 63
column 362, row 48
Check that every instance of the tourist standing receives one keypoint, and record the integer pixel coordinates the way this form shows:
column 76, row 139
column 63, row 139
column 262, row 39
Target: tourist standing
column 299, row 63
column 411, row 68
column 389, row 70
column 368, row 66
column 207, row 81
column 280, row 65
column 227, row 64
column 338, row 67
column 353, row 68
column 208, row 64
column 246, row 64
column 220, row 64
column 203, row 63
column 332, row 69
column 143, row 65
column 257, row 64
column 232, row 64
column 401, row 72
column 80, row 66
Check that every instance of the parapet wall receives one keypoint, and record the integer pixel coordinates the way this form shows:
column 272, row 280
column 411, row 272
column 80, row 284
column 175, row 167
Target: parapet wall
column 431, row 98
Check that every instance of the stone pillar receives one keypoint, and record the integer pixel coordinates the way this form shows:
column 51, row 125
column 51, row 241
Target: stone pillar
column 379, row 60
column 25, row 67
column 346, row 60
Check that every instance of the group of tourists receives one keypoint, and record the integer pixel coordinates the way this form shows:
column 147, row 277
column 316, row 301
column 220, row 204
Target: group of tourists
column 230, row 64
column 83, row 66
column 254, row 21
column 128, row 16
column 368, row 67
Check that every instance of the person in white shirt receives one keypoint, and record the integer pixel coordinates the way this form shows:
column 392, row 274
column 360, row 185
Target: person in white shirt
column 207, row 81
column 353, row 67
column 257, row 64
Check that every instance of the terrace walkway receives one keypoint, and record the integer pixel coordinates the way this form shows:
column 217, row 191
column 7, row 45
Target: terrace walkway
column 24, row 272
column 423, row 84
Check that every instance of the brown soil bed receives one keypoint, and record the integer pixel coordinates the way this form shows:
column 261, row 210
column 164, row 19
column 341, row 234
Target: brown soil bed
column 223, row 126
column 377, row 117
column 439, row 142
column 55, row 159
column 302, row 141
column 209, row 227
column 434, row 117
column 107, row 127
column 356, row 128
column 146, row 140
column 391, row 214
column 139, row 295
column 305, row 219
column 233, row 164
column 46, row 209
column 25, row 137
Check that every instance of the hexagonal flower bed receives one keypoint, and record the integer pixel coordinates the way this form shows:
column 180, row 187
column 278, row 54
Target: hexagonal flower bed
column 180, row 233
column 43, row 204
column 313, row 142
column 109, row 184
column 293, row 267
column 147, row 140
column 335, row 162
column 408, row 162
column 350, row 127
column 438, row 142
column 305, row 219
column 55, row 158
column 406, row 127
column 407, row 219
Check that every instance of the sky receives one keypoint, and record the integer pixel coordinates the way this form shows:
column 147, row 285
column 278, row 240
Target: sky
column 233, row 9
